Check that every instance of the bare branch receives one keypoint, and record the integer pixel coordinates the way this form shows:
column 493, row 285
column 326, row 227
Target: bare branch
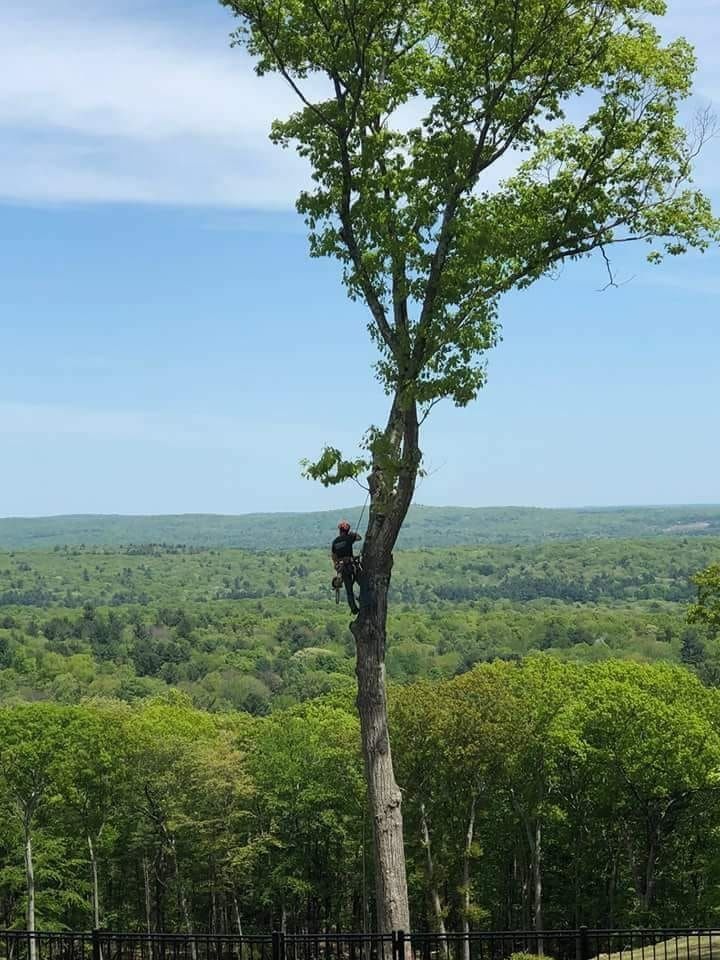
column 704, row 128
column 612, row 282
column 608, row 266
column 430, row 407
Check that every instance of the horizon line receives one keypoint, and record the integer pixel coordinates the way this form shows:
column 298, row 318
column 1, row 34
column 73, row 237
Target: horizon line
column 305, row 513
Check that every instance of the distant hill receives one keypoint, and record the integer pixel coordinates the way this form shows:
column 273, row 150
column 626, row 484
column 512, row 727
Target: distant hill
column 425, row 527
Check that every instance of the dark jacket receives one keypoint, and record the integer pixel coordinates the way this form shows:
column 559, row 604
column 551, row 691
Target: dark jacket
column 342, row 546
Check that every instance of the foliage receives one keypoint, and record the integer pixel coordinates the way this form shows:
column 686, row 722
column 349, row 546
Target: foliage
column 584, row 571
column 225, row 820
column 405, row 206
column 707, row 608
column 257, row 632
column 425, row 527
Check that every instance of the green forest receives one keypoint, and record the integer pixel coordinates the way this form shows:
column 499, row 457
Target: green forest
column 257, row 631
column 425, row 527
column 180, row 745
column 604, row 777
column 520, row 728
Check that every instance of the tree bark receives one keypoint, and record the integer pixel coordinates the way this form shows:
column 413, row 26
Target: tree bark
column 649, row 897
column 238, row 917
column 644, row 873
column 393, row 911
column 431, row 879
column 183, row 900
column 392, row 484
column 537, row 885
column 30, row 881
column 148, row 895
column 533, row 832
column 469, row 836
column 95, row 885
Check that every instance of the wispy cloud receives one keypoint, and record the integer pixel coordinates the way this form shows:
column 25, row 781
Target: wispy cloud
column 196, row 432
column 96, row 108
column 99, row 103
column 54, row 420
column 698, row 282
column 104, row 76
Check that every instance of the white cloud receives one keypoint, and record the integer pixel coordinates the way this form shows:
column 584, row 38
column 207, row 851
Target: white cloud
column 100, row 103
column 93, row 109
column 112, row 79
column 54, row 420
column 48, row 421
column 191, row 172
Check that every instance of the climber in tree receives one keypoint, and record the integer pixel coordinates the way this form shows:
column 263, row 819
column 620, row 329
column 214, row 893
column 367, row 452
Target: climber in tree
column 346, row 563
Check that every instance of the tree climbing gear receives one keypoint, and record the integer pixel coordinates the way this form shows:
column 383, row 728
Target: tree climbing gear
column 347, row 574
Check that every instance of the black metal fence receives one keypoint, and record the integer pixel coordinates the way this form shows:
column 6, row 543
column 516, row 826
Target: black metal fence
column 582, row 944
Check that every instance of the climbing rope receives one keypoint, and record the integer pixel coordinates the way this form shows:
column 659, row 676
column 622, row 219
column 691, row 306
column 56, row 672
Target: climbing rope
column 362, row 512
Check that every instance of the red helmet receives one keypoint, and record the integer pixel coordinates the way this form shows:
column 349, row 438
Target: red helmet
column 344, row 526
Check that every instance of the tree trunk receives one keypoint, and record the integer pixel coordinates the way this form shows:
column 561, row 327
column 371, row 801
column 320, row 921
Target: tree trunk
column 649, row 893
column 393, row 911
column 238, row 917
column 148, row 895
column 30, row 881
column 95, row 885
column 469, row 836
column 431, row 880
column 184, row 905
column 612, row 886
column 533, row 830
column 533, row 833
column 391, row 484
column 537, row 885
column 644, row 873
column 186, row 918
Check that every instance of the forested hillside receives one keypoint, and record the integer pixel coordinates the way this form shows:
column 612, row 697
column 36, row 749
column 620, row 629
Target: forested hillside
column 223, row 821
column 181, row 722
column 256, row 631
column 586, row 571
column 425, row 527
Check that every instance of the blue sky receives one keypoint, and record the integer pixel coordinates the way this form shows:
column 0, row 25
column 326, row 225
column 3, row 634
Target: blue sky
column 167, row 345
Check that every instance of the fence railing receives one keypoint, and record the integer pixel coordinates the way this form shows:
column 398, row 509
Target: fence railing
column 581, row 944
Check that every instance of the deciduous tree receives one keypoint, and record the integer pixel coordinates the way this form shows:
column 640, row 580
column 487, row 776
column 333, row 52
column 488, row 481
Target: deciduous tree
column 407, row 108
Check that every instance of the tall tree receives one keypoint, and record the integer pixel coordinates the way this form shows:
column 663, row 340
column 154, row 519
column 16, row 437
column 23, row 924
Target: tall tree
column 92, row 782
column 406, row 106
column 707, row 608
column 33, row 738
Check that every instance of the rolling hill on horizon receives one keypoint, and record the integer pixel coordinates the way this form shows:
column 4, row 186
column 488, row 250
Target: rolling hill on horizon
column 425, row 527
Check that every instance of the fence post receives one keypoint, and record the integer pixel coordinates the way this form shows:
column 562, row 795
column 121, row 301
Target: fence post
column 96, row 951
column 583, row 948
column 401, row 945
column 278, row 945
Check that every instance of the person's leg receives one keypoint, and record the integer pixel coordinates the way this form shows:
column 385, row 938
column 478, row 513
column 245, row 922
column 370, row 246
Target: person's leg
column 349, row 581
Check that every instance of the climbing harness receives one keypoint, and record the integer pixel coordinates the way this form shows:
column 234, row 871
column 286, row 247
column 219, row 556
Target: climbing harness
column 348, row 566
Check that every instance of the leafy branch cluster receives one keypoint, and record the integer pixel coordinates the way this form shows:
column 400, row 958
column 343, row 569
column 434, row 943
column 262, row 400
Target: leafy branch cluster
column 406, row 105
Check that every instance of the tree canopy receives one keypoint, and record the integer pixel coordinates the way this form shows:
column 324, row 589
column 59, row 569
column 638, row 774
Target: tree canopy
column 406, row 109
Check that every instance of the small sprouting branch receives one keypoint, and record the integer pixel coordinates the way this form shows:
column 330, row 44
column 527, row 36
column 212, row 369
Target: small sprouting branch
column 332, row 469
